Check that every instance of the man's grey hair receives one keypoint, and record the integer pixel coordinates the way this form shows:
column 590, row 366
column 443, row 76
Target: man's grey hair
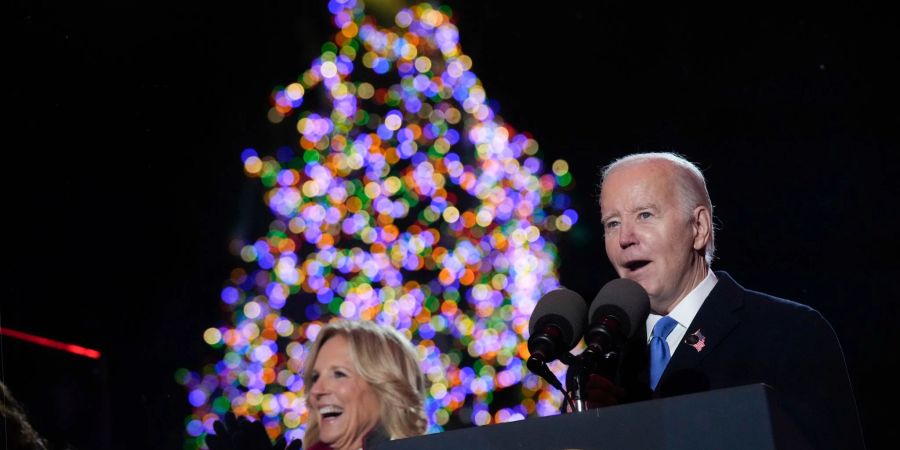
column 690, row 184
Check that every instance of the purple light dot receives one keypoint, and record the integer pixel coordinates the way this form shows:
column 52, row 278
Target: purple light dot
column 247, row 153
column 324, row 296
column 426, row 332
column 452, row 136
column 413, row 105
column 533, row 165
column 267, row 261
column 230, row 295
column 197, row 397
column 381, row 66
column 313, row 312
column 195, row 428
column 384, row 132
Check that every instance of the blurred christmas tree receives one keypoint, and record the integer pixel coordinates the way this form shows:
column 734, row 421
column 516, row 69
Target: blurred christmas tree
column 406, row 200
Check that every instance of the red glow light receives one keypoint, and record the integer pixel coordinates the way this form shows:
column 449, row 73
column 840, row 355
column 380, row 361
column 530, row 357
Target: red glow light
column 71, row 348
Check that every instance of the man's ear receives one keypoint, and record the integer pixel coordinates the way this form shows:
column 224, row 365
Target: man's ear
column 702, row 223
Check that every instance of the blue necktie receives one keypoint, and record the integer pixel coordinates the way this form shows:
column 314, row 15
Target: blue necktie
column 659, row 349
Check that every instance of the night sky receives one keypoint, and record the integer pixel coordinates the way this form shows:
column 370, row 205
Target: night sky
column 123, row 183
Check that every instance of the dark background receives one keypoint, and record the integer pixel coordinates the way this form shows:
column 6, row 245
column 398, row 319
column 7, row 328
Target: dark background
column 123, row 186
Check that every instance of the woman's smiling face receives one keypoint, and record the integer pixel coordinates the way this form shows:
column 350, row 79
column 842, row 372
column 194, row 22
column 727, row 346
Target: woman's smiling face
column 345, row 404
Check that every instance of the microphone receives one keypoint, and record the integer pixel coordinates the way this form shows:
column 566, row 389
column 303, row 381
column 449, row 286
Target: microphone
column 615, row 314
column 555, row 327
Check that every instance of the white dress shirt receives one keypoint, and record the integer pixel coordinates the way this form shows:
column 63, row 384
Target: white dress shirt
column 685, row 311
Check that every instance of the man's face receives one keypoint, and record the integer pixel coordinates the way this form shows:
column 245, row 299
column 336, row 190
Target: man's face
column 650, row 236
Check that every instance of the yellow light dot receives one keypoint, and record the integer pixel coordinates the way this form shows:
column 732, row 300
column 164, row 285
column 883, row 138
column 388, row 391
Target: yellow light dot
column 455, row 69
column 392, row 185
column 393, row 122
column 284, row 328
column 254, row 397
column 310, row 188
column 369, row 235
column 409, row 52
column 560, row 167
column 328, row 69
column 452, row 115
column 498, row 281
column 294, row 91
column 355, row 161
column 372, row 189
column 531, row 147
column 438, row 390
column 477, row 94
column 441, row 417
column 519, row 236
column 369, row 59
column 253, row 165
column 432, row 17
column 339, row 90
column 484, row 218
column 252, row 310
column 365, row 91
column 291, row 419
column 563, row 223
column 212, row 336
column 302, row 124
column 365, row 291
column 348, row 51
column 310, row 77
column 423, row 64
column 465, row 61
column 248, row 253
column 275, row 116
column 451, row 214
column 532, row 233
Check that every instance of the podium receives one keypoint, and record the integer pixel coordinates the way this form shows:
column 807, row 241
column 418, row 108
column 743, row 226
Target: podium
column 744, row 417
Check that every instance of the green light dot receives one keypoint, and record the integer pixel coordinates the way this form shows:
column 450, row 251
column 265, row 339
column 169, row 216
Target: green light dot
column 335, row 306
column 329, row 47
column 311, row 156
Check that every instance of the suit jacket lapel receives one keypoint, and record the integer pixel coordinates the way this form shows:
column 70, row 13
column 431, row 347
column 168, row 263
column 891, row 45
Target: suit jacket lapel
column 715, row 319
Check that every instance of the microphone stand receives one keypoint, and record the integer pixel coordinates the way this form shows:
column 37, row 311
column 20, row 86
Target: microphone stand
column 539, row 367
column 591, row 360
column 576, row 382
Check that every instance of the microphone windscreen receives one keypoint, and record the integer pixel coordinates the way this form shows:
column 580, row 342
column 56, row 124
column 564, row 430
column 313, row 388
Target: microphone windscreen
column 565, row 309
column 626, row 300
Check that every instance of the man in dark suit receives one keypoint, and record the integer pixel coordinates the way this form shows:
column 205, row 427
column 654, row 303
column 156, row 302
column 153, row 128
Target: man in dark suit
column 705, row 331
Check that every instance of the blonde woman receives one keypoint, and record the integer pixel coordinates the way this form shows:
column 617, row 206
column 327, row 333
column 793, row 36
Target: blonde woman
column 364, row 386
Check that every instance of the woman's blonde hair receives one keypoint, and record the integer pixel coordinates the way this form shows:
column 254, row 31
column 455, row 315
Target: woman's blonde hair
column 388, row 362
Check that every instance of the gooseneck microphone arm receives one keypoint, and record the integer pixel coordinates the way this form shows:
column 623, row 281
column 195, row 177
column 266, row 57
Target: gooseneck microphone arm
column 542, row 346
column 555, row 327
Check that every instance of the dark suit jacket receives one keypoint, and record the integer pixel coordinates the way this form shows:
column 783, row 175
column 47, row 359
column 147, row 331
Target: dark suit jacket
column 750, row 337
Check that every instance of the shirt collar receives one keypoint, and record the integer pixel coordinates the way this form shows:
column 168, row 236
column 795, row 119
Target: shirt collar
column 687, row 308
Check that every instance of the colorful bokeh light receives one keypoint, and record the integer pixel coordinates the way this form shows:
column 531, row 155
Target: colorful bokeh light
column 405, row 200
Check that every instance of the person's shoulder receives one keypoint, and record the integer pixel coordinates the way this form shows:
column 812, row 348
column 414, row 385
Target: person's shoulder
column 769, row 304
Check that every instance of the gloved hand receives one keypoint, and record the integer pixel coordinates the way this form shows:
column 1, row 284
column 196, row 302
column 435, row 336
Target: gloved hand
column 239, row 433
